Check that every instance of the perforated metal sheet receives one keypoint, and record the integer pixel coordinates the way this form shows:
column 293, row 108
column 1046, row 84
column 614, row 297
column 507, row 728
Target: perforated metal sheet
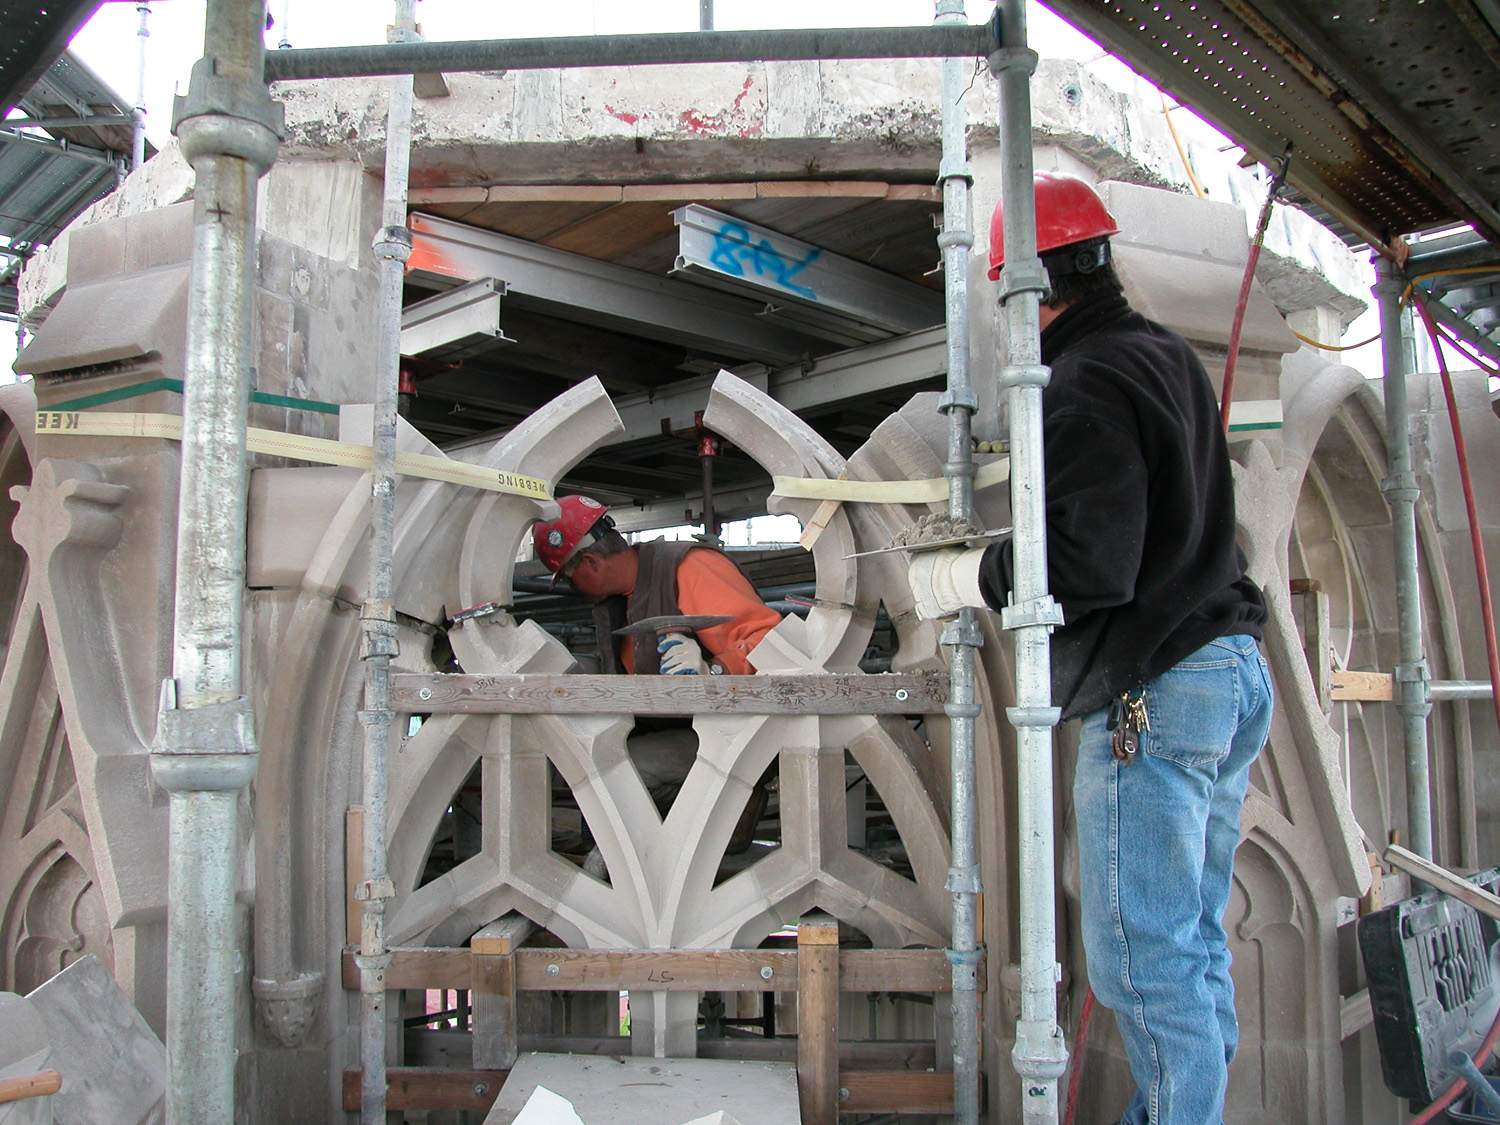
column 32, row 34
column 1389, row 105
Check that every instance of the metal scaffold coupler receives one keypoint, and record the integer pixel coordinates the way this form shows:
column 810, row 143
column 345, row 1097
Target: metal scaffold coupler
column 965, row 964
column 380, row 638
column 1024, row 275
column 1413, row 682
column 393, row 243
column 368, row 890
column 221, row 115
column 1401, row 486
column 1012, row 58
column 1028, row 614
column 962, row 631
column 204, row 748
column 1033, row 716
column 1040, row 1052
column 963, row 880
column 967, row 401
column 950, row 168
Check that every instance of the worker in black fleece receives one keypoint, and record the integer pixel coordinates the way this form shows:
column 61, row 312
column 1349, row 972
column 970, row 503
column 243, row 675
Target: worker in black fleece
column 1157, row 654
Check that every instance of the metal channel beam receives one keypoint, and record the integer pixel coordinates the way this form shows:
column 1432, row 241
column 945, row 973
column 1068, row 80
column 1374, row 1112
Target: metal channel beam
column 804, row 280
column 455, row 324
column 961, row 41
column 604, row 294
column 883, row 368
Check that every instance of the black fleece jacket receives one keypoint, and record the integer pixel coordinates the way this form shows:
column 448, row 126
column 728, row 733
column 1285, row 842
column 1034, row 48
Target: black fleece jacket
column 1141, row 552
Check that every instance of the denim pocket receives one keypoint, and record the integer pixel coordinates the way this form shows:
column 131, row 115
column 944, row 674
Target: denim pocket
column 1194, row 710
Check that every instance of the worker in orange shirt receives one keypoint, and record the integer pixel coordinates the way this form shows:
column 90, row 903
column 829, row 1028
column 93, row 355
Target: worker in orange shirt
column 657, row 579
column 661, row 578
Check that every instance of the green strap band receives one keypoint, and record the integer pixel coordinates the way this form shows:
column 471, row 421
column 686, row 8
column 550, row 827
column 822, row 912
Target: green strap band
column 151, row 386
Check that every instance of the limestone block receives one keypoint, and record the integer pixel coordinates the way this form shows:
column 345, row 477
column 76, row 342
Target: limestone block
column 114, row 1067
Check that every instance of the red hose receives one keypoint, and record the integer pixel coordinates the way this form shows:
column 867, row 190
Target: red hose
column 1490, row 647
column 1080, row 1041
column 1232, row 360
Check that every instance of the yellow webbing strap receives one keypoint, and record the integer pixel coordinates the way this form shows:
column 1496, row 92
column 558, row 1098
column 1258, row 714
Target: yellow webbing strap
column 932, row 491
column 322, row 451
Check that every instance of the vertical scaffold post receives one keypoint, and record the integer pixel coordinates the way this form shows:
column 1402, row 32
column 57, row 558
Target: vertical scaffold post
column 392, row 248
column 1413, row 700
column 205, row 751
column 962, row 638
column 1039, row 1054
column 138, row 111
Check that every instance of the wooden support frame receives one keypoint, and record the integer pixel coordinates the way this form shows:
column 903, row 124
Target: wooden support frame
column 665, row 970
column 913, row 693
column 431, row 1088
column 818, row 1019
column 1441, row 879
column 492, row 954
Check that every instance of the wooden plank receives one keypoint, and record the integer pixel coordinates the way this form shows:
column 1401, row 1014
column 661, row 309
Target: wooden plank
column 1355, row 1013
column 665, row 970
column 687, row 193
column 24, row 1086
column 614, row 231
column 724, row 970
column 896, row 1091
column 831, row 694
column 354, row 870
column 1441, row 879
column 1355, row 686
column 433, row 1046
column 915, row 193
column 495, row 1013
column 818, row 1019
column 475, row 194
column 420, row 1088
column 897, row 970
column 813, row 189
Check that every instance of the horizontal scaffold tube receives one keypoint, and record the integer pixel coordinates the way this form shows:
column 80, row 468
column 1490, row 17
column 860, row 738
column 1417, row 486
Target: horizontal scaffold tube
column 377, row 60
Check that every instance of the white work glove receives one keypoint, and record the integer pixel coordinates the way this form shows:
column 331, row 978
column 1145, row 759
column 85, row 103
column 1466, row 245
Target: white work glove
column 944, row 582
column 681, row 656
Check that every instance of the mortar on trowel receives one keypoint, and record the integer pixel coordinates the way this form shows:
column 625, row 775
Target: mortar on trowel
column 935, row 531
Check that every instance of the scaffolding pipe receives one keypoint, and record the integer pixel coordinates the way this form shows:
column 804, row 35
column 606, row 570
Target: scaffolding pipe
column 1039, row 1055
column 962, row 638
column 1401, row 492
column 661, row 49
column 205, row 751
column 138, row 112
column 392, row 246
column 1441, row 690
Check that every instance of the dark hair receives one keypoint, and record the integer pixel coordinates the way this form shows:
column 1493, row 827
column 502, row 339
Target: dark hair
column 1067, row 282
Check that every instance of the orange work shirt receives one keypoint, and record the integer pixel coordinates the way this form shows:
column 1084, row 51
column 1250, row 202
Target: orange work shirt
column 708, row 582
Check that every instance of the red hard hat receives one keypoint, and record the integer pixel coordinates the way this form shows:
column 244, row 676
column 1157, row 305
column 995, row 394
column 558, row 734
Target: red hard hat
column 556, row 540
column 1067, row 211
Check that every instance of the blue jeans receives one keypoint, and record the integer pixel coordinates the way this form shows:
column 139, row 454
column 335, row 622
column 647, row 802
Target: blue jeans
column 1157, row 837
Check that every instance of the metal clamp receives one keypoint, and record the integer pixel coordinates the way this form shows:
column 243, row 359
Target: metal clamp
column 367, row 890
column 1038, row 611
column 967, row 401
column 213, row 728
column 963, row 880
column 965, row 964
column 380, row 637
column 951, row 169
column 1012, row 58
column 225, row 116
column 962, row 631
column 1024, row 275
column 392, row 243
column 1033, row 716
column 1401, row 486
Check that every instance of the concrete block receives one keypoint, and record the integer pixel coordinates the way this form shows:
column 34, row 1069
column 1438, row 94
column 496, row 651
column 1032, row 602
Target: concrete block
column 114, row 1067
